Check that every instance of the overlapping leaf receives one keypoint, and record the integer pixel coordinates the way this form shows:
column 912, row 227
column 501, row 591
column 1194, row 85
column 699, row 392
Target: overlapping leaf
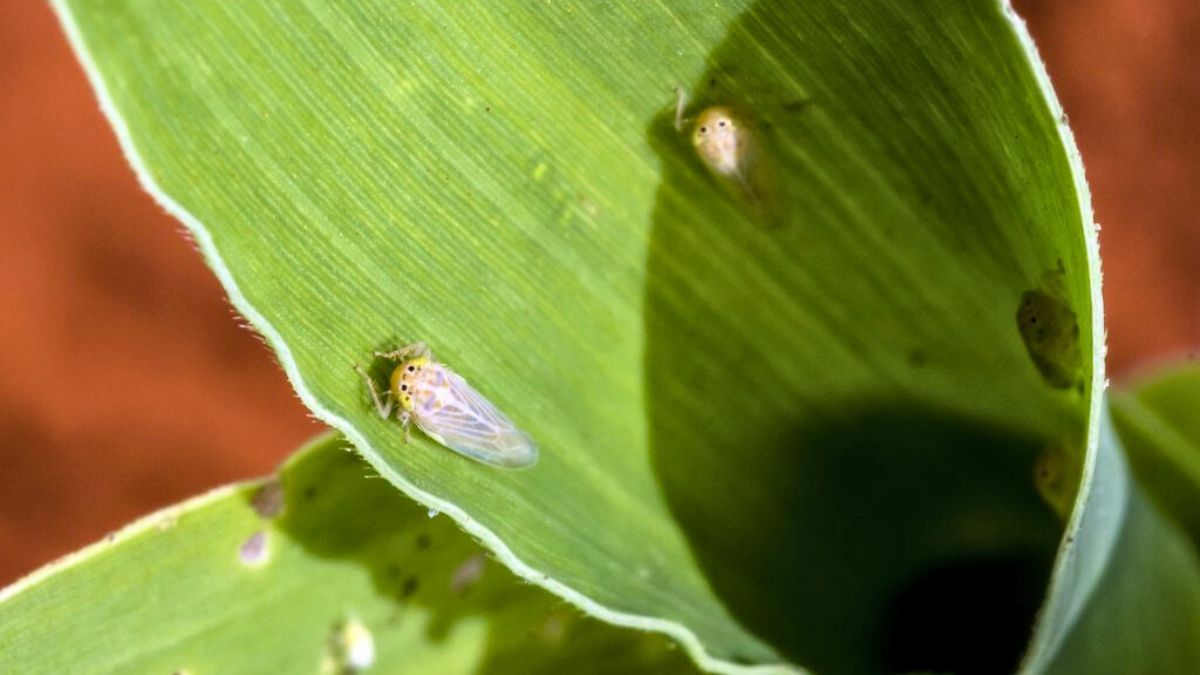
column 323, row 569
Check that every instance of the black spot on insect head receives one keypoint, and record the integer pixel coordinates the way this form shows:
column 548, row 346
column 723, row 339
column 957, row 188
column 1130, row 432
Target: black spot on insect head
column 704, row 130
column 721, row 123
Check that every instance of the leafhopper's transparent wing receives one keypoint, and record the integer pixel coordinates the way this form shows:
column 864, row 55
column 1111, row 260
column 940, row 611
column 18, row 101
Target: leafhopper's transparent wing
column 469, row 424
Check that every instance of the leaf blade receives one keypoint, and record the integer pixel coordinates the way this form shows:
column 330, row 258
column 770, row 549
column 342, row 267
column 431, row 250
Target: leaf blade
column 1126, row 592
column 257, row 142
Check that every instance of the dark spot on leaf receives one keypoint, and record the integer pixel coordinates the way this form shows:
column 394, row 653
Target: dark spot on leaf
column 310, row 492
column 423, row 541
column 917, row 357
column 1050, row 331
column 410, row 586
column 268, row 501
column 796, row 106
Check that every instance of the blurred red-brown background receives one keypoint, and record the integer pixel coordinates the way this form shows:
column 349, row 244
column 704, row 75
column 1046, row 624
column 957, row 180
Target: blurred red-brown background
column 128, row 384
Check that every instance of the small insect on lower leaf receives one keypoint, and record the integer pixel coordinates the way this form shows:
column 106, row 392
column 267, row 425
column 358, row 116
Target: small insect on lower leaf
column 448, row 410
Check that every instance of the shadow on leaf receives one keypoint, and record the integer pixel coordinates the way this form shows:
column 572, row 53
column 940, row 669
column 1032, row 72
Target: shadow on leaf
column 833, row 450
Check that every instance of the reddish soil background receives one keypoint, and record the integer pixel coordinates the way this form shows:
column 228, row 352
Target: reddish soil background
column 128, row 384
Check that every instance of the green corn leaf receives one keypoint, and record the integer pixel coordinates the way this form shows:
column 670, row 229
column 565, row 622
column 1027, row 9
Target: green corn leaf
column 1159, row 422
column 774, row 406
column 322, row 569
column 1126, row 593
column 1126, row 590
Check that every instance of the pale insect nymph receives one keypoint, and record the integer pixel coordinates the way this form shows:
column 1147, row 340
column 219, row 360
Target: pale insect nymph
column 726, row 143
column 723, row 141
column 450, row 411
